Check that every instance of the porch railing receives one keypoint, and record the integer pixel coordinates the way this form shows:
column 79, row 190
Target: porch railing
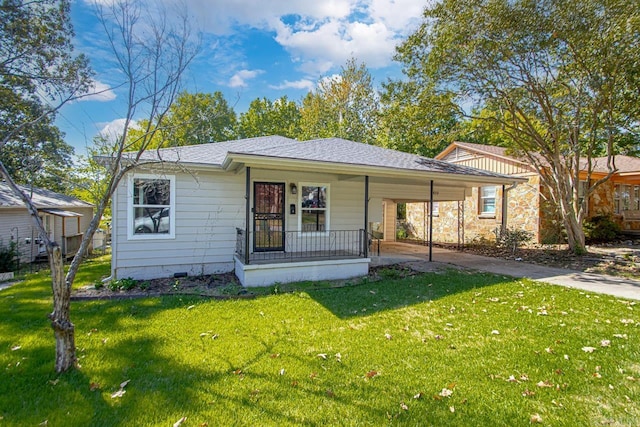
column 288, row 246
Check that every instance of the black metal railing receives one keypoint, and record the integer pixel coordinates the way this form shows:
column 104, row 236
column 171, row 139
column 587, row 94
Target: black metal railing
column 299, row 246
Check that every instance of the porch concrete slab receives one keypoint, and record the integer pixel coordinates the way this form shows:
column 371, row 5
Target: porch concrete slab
column 599, row 283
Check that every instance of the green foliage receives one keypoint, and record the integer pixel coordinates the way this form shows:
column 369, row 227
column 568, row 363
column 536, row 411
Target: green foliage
column 8, row 256
column 265, row 117
column 416, row 120
column 343, row 106
column 38, row 72
column 125, row 284
column 601, row 228
column 512, row 238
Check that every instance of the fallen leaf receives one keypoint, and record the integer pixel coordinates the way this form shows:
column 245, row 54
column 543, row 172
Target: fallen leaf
column 452, row 409
column 544, row 384
column 605, row 343
column 312, row 375
column 588, row 349
column 16, row 347
column 124, row 384
column 524, row 377
column 179, row 422
column 623, row 336
column 282, row 371
column 94, row 386
column 371, row 374
column 403, row 406
column 189, row 308
column 203, row 334
column 528, row 393
column 330, row 393
column 536, row 419
column 104, row 340
column 388, row 336
column 118, row 393
column 338, row 357
column 323, row 356
column 417, row 396
column 446, row 392
column 274, row 355
column 495, row 332
column 237, row 371
column 44, row 423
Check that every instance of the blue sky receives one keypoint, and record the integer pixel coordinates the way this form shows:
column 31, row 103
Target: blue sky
column 251, row 49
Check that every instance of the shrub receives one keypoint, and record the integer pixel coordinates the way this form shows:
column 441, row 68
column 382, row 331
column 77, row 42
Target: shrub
column 512, row 238
column 600, row 228
column 8, row 257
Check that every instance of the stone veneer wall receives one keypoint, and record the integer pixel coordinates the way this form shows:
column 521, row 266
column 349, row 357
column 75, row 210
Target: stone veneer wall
column 522, row 213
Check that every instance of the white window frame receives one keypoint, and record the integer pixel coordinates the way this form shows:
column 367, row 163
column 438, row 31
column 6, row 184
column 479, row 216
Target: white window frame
column 482, row 198
column 131, row 206
column 327, row 210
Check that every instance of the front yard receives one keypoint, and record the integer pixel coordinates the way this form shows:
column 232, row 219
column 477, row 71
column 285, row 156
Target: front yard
column 432, row 349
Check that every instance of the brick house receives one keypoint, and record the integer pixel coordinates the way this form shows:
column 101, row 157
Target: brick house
column 524, row 206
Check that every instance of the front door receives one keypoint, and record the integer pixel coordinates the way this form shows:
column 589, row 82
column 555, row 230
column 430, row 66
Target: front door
column 268, row 216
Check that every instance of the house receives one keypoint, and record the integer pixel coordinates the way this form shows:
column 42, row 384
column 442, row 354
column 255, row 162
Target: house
column 64, row 218
column 272, row 209
column 526, row 207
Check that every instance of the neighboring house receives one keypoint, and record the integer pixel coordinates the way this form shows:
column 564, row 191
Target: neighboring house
column 272, row 208
column 64, row 218
column 527, row 206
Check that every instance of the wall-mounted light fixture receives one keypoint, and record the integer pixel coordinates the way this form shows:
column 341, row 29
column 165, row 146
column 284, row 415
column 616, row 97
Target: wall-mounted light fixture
column 294, row 188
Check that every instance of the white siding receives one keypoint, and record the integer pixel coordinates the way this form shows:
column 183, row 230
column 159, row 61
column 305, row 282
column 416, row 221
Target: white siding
column 207, row 213
column 208, row 209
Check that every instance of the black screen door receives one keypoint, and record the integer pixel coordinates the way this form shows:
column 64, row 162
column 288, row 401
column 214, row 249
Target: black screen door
column 268, row 216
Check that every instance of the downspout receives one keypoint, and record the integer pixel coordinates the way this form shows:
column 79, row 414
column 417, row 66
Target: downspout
column 366, row 216
column 505, row 191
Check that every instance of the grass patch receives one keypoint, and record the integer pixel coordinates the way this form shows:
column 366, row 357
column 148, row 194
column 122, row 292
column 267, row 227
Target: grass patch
column 430, row 349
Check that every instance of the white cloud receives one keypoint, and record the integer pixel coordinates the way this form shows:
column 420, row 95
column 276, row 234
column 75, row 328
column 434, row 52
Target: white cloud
column 113, row 130
column 298, row 84
column 240, row 78
column 100, row 92
column 332, row 43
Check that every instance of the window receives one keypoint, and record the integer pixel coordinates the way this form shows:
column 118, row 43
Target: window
column 151, row 206
column 636, row 197
column 488, row 200
column 616, row 199
column 313, row 212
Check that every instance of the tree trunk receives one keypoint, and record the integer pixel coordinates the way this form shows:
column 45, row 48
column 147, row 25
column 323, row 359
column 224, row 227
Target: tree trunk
column 63, row 329
column 575, row 234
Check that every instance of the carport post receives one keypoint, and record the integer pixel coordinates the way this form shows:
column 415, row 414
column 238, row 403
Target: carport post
column 431, row 221
column 247, row 222
column 366, row 216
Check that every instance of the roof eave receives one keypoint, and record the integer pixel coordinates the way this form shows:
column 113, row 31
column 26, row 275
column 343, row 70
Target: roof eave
column 234, row 161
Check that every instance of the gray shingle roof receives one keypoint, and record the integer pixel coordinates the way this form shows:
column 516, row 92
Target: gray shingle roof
column 329, row 150
column 42, row 198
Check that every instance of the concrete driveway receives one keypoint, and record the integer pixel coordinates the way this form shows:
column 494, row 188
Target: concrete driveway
column 417, row 256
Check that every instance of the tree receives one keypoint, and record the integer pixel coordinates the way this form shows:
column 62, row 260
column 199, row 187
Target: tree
column 151, row 58
column 199, row 118
column 557, row 75
column 266, row 117
column 416, row 120
column 39, row 73
column 345, row 106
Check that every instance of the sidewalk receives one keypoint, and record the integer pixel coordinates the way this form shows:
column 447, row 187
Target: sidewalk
column 417, row 256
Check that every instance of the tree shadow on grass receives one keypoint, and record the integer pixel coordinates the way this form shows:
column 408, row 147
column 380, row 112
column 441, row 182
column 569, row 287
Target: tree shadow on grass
column 369, row 297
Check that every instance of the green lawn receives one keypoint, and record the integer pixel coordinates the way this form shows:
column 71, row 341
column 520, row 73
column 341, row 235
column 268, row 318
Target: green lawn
column 433, row 349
